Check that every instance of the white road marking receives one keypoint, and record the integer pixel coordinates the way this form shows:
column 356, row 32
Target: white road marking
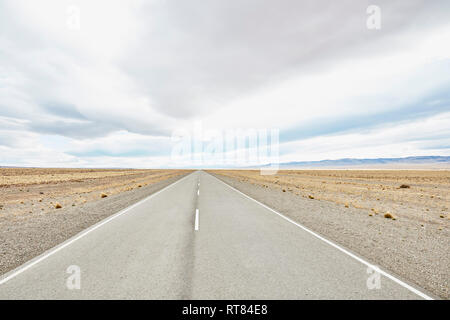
column 387, row 275
column 68, row 242
column 198, row 192
column 196, row 219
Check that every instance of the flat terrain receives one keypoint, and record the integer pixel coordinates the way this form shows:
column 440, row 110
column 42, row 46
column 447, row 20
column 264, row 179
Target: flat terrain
column 199, row 239
column 24, row 192
column 349, row 207
column 40, row 208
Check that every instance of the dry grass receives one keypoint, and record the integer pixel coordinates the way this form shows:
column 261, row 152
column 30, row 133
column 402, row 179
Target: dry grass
column 387, row 215
column 25, row 191
column 29, row 176
column 420, row 194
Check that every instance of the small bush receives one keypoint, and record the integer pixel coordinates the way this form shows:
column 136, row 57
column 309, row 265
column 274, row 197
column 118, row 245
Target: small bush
column 388, row 215
column 405, row 186
column 104, row 195
column 58, row 206
column 311, row 197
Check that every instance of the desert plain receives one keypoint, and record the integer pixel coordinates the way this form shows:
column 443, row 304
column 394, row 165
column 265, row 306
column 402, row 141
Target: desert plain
column 397, row 219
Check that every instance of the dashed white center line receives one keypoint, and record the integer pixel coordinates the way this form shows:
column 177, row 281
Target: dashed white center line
column 198, row 192
column 196, row 219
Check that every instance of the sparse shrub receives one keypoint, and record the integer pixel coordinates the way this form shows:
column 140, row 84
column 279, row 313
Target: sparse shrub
column 284, row 190
column 346, row 205
column 388, row 215
column 311, row 197
column 104, row 195
column 405, row 186
column 58, row 206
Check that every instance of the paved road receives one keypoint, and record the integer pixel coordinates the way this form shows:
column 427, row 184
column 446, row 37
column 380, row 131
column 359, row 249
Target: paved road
column 241, row 250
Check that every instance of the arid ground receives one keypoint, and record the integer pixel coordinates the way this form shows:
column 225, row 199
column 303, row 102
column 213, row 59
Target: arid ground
column 399, row 219
column 24, row 192
column 420, row 195
column 40, row 208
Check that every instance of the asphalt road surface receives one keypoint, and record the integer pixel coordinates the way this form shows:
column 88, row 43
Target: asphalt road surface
column 200, row 239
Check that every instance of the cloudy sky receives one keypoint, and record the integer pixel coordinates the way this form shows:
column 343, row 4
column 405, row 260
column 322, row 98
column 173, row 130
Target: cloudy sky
column 110, row 83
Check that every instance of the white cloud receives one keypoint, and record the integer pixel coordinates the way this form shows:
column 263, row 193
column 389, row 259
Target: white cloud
column 424, row 137
column 112, row 92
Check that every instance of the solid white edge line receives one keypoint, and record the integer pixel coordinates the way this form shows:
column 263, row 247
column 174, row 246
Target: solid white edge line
column 196, row 219
column 27, row 265
column 387, row 275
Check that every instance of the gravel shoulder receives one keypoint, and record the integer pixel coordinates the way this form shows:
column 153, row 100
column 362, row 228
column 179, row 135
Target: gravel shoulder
column 415, row 253
column 22, row 239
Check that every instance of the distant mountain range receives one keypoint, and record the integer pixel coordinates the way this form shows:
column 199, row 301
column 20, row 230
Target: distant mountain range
column 425, row 160
column 409, row 162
